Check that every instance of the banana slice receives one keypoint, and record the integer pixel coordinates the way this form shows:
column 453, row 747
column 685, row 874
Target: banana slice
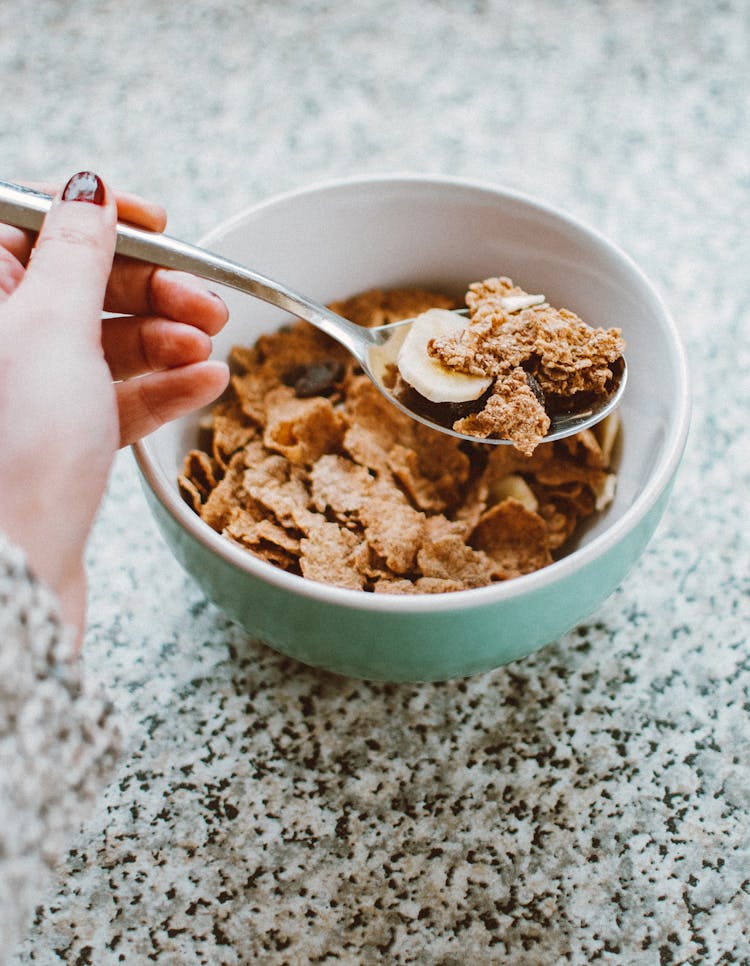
column 428, row 376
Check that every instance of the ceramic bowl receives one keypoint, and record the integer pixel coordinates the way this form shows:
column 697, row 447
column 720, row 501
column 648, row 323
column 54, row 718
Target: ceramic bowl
column 333, row 240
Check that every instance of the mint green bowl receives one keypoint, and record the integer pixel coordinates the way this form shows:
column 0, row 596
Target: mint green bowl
column 336, row 239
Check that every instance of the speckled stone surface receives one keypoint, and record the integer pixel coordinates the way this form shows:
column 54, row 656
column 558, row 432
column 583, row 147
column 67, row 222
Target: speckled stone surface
column 589, row 804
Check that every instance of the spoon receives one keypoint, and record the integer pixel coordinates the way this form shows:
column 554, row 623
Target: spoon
column 375, row 349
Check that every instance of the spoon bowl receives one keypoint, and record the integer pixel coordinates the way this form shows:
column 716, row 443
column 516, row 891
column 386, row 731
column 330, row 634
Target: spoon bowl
column 381, row 356
column 375, row 348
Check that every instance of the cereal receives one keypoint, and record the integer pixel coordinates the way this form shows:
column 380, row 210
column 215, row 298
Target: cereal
column 228, row 495
column 327, row 555
column 535, row 359
column 231, row 430
column 430, row 466
column 379, row 307
column 301, row 429
column 307, row 466
column 514, row 537
column 340, row 485
column 190, row 492
column 448, row 557
column 395, row 531
column 264, row 537
column 516, row 407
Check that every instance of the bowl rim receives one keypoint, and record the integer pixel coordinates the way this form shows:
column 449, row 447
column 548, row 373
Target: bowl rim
column 660, row 479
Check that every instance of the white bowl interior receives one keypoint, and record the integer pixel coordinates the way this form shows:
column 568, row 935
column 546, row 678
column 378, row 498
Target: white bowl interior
column 339, row 239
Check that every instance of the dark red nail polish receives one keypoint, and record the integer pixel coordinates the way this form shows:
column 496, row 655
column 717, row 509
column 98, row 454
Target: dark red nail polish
column 85, row 186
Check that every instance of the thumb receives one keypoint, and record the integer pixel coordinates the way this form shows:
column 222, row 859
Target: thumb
column 66, row 279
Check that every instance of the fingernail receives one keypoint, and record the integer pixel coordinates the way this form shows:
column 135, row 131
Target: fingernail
column 85, row 186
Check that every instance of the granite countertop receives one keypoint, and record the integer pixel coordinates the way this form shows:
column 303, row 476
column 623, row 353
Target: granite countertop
column 588, row 804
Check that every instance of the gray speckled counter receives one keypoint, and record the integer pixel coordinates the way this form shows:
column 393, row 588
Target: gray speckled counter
column 590, row 804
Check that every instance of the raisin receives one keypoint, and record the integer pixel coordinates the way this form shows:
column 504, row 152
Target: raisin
column 535, row 388
column 315, row 379
column 442, row 413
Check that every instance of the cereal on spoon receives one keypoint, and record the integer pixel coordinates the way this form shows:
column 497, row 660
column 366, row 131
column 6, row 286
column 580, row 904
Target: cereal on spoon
column 518, row 361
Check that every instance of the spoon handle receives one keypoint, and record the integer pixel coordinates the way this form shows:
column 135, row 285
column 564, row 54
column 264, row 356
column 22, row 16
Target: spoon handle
column 25, row 208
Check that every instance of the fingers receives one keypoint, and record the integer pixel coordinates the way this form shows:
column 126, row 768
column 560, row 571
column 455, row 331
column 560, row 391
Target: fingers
column 16, row 241
column 134, row 287
column 73, row 255
column 140, row 211
column 141, row 289
column 147, row 403
column 130, row 207
column 11, row 273
column 133, row 346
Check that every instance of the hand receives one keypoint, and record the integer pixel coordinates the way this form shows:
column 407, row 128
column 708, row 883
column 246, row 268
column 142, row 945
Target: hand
column 74, row 387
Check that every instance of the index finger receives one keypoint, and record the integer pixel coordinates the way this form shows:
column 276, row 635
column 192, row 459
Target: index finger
column 132, row 208
column 72, row 255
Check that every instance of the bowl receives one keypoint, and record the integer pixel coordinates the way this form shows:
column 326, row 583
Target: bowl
column 333, row 240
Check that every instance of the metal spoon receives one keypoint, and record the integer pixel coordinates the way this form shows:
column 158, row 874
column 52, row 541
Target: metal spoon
column 375, row 349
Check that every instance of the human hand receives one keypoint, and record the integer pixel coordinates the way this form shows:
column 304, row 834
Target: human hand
column 74, row 387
